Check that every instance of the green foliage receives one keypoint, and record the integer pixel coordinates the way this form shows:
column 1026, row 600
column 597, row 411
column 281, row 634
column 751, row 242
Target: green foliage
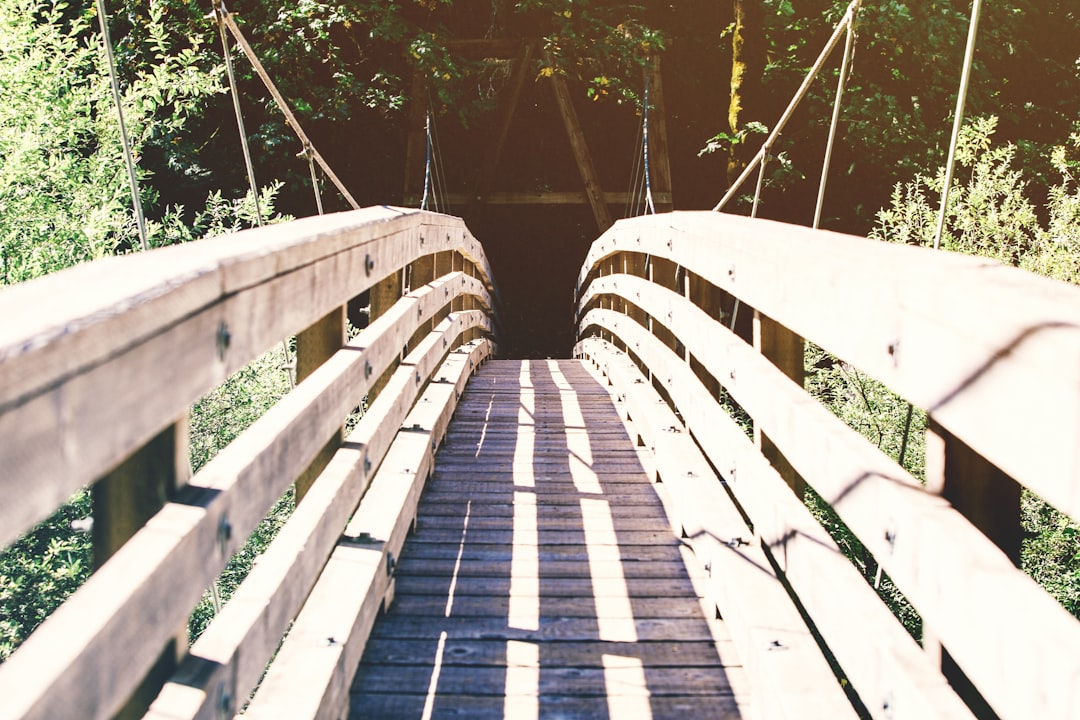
column 604, row 44
column 880, row 416
column 41, row 570
column 990, row 214
column 869, row 407
column 64, row 197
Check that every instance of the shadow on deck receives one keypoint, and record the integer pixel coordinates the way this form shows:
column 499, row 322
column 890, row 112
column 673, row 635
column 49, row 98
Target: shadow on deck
column 544, row 578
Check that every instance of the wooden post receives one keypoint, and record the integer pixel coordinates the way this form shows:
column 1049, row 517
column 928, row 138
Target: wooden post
column 384, row 294
column 659, row 155
column 493, row 152
column 784, row 349
column 422, row 271
column 580, row 148
column 314, row 346
column 417, row 142
column 124, row 500
column 990, row 500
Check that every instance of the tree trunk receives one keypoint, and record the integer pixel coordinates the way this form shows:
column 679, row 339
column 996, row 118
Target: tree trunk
column 747, row 68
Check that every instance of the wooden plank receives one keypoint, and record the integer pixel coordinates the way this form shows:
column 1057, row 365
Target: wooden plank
column 550, row 197
column 944, row 330
column 113, row 627
column 472, row 653
column 826, row 583
column 742, row 587
column 489, row 707
column 550, row 629
column 581, row 149
column 580, row 682
column 933, row 546
column 74, row 375
column 312, row 671
column 236, row 647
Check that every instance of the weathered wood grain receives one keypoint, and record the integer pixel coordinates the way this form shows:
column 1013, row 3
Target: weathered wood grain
column 75, row 371
column 313, row 669
column 826, row 583
column 114, row 627
column 240, row 642
column 459, row 576
column 743, row 586
column 946, row 331
column 933, row 548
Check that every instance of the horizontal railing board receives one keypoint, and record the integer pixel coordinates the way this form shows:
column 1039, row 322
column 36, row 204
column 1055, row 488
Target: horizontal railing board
column 891, row 675
column 238, row 644
column 754, row 603
column 74, row 378
column 936, row 557
column 946, row 331
column 114, row 627
column 313, row 670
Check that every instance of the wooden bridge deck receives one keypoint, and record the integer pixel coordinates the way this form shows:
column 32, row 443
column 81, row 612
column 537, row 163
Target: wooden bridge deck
column 544, row 578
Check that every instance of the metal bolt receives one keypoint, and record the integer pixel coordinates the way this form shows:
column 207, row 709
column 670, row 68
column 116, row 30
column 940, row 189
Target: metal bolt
column 890, row 537
column 369, row 263
column 731, row 272
column 367, row 369
column 224, row 337
column 367, row 464
column 421, row 239
column 391, row 565
column 224, row 532
column 417, row 377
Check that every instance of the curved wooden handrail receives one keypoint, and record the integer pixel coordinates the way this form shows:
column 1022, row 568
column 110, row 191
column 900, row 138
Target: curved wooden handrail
column 83, row 388
column 991, row 352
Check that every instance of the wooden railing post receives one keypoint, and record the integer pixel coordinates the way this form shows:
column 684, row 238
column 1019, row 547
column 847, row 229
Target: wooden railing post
column 384, row 294
column 784, row 349
column 990, row 500
column 660, row 161
column 124, row 500
column 314, row 346
column 421, row 272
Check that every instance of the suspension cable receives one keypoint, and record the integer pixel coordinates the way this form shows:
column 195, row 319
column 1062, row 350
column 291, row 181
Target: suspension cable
column 958, row 120
column 219, row 14
column 427, row 160
column 649, row 205
column 226, row 20
column 308, row 155
column 845, row 67
column 801, row 93
column 133, row 180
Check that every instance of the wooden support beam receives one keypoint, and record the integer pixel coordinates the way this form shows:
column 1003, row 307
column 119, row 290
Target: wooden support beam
column 124, row 500
column 384, row 294
column 415, row 147
column 581, row 149
column 784, row 349
column 990, row 500
column 509, row 103
column 314, row 346
column 557, row 197
column 659, row 153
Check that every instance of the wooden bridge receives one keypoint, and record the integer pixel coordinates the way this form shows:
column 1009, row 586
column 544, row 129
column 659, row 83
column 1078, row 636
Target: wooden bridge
column 602, row 536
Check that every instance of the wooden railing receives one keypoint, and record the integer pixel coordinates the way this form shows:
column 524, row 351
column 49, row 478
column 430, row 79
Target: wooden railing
column 703, row 306
column 98, row 368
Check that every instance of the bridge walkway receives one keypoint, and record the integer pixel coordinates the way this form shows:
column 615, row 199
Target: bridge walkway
column 544, row 577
